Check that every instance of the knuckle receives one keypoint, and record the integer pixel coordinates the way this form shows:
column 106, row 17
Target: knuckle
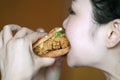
column 6, row 27
column 40, row 30
column 11, row 27
column 24, row 28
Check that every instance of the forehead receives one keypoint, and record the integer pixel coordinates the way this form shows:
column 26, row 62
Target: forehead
column 83, row 3
column 84, row 7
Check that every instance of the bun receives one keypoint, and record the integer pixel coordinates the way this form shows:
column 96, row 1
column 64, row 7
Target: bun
column 56, row 53
column 54, row 44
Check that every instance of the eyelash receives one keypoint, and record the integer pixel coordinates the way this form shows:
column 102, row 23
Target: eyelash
column 71, row 11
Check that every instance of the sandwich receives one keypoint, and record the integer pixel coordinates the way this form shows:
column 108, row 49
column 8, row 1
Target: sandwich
column 54, row 44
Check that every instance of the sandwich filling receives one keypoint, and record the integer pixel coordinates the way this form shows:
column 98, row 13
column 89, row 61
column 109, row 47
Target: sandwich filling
column 57, row 41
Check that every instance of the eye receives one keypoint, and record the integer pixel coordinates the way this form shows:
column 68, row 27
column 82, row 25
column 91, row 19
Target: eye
column 71, row 11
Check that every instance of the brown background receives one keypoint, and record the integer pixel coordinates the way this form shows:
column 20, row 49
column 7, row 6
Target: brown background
column 46, row 14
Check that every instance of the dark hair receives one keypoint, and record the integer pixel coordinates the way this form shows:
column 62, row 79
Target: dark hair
column 105, row 11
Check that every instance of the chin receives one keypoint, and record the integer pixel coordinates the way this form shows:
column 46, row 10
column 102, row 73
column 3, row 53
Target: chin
column 69, row 60
column 72, row 64
column 77, row 59
column 72, row 60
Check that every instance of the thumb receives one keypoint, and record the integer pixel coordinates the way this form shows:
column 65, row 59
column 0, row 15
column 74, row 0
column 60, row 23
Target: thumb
column 40, row 62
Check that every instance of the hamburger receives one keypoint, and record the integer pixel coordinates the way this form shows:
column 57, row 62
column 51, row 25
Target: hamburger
column 54, row 44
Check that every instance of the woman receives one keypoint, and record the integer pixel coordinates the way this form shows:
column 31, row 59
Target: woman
column 93, row 29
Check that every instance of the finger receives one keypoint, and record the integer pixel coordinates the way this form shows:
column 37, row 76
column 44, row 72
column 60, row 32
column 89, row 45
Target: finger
column 59, row 61
column 23, row 32
column 7, row 31
column 43, row 62
column 32, row 38
column 40, row 30
column 35, row 36
column 1, row 39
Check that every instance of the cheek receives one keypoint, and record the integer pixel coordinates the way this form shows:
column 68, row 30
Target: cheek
column 75, row 26
column 84, row 50
column 85, row 55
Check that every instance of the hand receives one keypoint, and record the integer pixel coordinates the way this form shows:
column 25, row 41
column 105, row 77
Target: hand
column 17, row 59
column 51, row 72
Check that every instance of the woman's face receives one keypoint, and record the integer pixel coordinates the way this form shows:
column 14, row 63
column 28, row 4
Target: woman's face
column 87, row 40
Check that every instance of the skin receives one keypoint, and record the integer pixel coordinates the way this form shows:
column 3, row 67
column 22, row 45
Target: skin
column 92, row 44
column 97, row 46
column 17, row 59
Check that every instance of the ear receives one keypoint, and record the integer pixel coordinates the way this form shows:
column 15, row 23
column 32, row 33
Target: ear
column 113, row 37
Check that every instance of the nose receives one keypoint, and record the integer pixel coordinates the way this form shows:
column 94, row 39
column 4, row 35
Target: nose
column 65, row 23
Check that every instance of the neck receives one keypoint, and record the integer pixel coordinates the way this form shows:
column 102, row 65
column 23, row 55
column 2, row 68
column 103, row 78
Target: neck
column 112, row 76
column 111, row 67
